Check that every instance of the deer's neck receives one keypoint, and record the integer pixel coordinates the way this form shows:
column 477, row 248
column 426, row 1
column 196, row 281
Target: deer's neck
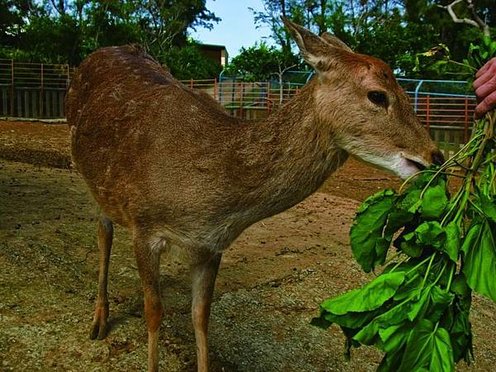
column 289, row 155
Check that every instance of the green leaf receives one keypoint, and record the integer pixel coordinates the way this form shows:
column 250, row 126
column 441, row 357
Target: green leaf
column 479, row 263
column 461, row 330
column 351, row 320
column 370, row 297
column 396, row 315
column 429, row 348
column 442, row 354
column 410, row 201
column 368, row 243
column 427, row 234
column 488, row 206
column 403, row 212
column 452, row 242
column 440, row 299
column 408, row 244
column 418, row 307
column 460, row 286
column 394, row 337
column 320, row 322
column 391, row 361
column 430, row 233
column 434, row 201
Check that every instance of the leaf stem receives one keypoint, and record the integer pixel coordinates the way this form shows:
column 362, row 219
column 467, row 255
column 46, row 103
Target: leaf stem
column 427, row 272
column 418, row 265
column 441, row 272
column 450, row 280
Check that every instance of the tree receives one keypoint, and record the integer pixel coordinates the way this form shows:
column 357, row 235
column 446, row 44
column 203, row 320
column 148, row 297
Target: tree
column 393, row 30
column 260, row 62
column 66, row 31
column 271, row 16
column 164, row 22
column 187, row 62
column 13, row 16
column 473, row 19
column 309, row 13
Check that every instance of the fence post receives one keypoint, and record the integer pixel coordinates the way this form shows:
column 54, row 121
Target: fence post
column 42, row 83
column 191, row 83
column 242, row 85
column 417, row 90
column 12, row 89
column 427, row 112
column 215, row 88
column 465, row 128
column 267, row 97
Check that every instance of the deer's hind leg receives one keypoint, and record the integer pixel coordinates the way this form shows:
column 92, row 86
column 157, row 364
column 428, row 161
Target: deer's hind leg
column 148, row 260
column 105, row 235
column 203, row 272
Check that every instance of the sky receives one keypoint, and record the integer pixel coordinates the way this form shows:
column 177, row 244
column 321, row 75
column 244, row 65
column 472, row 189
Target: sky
column 237, row 28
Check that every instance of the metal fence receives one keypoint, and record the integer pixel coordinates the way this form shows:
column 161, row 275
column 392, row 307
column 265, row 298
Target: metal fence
column 249, row 100
column 445, row 107
column 31, row 90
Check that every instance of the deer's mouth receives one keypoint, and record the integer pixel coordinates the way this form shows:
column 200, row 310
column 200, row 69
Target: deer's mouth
column 415, row 163
column 408, row 166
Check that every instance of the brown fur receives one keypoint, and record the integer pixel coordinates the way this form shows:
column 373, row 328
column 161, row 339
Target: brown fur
column 172, row 166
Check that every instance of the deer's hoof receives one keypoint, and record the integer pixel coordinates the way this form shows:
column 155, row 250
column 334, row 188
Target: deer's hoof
column 99, row 327
column 98, row 331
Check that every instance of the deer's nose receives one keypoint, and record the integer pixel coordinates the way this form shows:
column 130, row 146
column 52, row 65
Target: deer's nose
column 437, row 157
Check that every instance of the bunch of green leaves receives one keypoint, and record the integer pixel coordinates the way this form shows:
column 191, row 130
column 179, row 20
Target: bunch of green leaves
column 479, row 53
column 439, row 59
column 417, row 310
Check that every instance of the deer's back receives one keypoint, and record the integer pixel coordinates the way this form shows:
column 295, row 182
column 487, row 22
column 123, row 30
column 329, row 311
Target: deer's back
column 148, row 147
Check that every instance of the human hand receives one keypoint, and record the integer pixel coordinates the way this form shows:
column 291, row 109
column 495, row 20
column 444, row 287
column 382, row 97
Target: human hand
column 485, row 88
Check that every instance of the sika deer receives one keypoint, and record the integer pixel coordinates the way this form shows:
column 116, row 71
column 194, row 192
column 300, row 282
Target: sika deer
column 173, row 167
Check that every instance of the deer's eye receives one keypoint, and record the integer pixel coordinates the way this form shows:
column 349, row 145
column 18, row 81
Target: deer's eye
column 378, row 98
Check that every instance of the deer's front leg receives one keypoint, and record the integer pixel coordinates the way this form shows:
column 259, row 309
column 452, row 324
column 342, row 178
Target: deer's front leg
column 148, row 261
column 203, row 274
column 105, row 234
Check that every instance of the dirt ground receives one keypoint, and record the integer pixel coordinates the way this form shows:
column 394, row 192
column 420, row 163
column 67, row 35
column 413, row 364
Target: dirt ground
column 269, row 286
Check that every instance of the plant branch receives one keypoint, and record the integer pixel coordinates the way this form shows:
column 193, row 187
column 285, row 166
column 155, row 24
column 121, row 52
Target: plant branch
column 475, row 21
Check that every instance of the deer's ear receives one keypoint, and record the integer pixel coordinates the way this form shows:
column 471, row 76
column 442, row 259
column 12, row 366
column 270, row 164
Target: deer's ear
column 316, row 51
column 335, row 42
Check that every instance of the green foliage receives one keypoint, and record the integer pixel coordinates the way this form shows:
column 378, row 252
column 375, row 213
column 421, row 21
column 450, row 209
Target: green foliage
column 478, row 54
column 439, row 59
column 259, row 62
column 395, row 31
column 67, row 31
column 368, row 236
column 188, row 63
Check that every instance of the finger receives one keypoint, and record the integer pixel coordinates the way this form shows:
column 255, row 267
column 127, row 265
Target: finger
column 486, row 105
column 486, row 67
column 487, row 88
column 482, row 79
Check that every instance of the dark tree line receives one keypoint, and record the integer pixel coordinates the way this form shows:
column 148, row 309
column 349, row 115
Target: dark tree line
column 66, row 31
column 393, row 30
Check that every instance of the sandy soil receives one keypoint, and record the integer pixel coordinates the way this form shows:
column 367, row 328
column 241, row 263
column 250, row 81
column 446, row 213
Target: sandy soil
column 269, row 286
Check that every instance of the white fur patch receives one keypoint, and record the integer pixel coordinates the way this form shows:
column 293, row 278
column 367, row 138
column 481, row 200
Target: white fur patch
column 399, row 163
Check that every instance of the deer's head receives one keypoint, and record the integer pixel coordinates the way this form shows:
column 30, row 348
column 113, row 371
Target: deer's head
column 362, row 106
